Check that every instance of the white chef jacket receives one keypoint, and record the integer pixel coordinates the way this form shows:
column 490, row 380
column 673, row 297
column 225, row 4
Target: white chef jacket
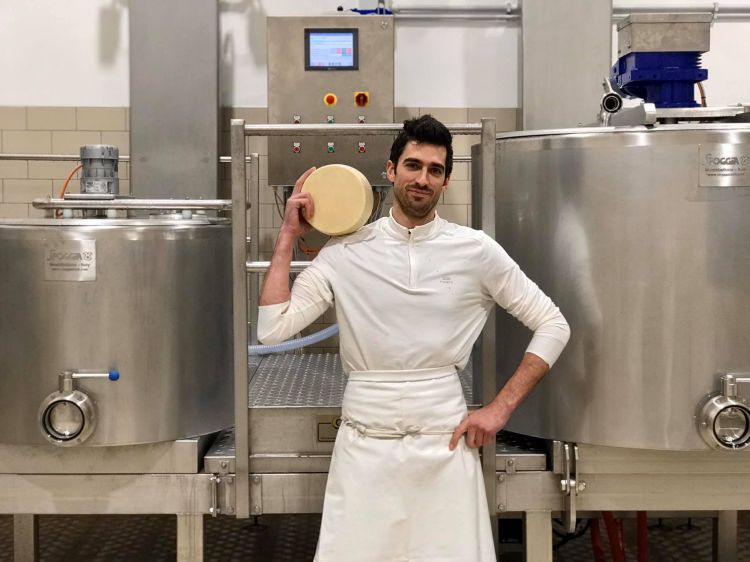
column 413, row 298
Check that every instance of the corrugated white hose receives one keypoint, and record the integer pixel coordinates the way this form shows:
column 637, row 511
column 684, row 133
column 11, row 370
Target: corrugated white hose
column 291, row 345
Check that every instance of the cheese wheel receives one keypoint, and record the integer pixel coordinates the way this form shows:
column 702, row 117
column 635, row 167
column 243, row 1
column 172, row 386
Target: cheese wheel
column 342, row 197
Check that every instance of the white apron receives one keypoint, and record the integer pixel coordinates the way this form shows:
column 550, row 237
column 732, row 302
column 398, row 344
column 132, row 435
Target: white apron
column 395, row 491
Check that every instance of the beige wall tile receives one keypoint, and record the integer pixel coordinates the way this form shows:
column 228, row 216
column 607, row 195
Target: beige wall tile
column 265, row 215
column 14, row 169
column 462, row 144
column 73, row 187
column 37, row 213
column 101, row 119
column 13, row 118
column 454, row 213
column 448, row 115
column 401, row 114
column 267, row 239
column 29, row 142
column 257, row 145
column 458, row 193
column 51, row 118
column 124, row 170
column 124, row 187
column 70, row 142
column 505, row 116
column 119, row 139
column 460, row 171
column 24, row 191
column 14, row 210
column 51, row 170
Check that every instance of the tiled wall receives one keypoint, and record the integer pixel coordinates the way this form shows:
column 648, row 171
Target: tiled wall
column 62, row 130
column 52, row 130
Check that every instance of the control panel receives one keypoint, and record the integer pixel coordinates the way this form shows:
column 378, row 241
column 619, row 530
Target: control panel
column 329, row 70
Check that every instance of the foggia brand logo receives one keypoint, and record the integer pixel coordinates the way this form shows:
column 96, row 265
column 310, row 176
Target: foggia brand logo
column 712, row 160
column 70, row 256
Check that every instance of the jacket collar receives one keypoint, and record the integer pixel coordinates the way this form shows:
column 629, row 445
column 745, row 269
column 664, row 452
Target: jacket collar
column 421, row 232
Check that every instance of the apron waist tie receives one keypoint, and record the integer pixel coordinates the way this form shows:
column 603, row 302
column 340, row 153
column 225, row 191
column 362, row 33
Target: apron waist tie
column 391, row 433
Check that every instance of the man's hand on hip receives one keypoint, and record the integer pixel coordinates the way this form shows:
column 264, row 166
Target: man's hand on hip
column 480, row 426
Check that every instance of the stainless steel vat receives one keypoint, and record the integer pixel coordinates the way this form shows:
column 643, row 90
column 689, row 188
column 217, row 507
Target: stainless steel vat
column 148, row 298
column 642, row 237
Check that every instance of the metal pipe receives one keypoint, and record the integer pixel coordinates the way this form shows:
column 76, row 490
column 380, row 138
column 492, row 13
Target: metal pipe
column 166, row 204
column 436, row 15
column 254, row 291
column 354, row 129
column 51, row 157
column 511, row 14
column 488, row 363
column 239, row 311
column 76, row 157
column 262, row 266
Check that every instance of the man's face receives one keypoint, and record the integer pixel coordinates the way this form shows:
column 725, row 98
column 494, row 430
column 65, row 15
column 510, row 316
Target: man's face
column 419, row 178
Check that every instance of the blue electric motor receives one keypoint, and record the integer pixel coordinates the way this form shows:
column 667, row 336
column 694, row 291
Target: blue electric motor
column 666, row 79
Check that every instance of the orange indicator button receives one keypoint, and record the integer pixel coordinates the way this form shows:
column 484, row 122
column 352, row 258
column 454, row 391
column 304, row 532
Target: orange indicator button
column 330, row 99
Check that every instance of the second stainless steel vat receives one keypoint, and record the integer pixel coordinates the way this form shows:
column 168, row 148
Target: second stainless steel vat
column 642, row 237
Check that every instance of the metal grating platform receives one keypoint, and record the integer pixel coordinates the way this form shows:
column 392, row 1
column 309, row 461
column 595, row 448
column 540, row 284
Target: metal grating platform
column 308, row 380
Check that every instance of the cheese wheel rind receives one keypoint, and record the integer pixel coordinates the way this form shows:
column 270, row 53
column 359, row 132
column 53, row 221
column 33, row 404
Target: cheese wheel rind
column 342, row 197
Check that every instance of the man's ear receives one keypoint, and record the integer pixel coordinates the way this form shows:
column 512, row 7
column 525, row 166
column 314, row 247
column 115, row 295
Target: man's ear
column 390, row 170
column 445, row 184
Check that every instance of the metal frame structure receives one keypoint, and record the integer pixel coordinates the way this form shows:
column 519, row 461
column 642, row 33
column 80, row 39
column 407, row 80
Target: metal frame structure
column 302, row 492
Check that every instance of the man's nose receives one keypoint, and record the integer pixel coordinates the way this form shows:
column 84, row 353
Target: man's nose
column 422, row 178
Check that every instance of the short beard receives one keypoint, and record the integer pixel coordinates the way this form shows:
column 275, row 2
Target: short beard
column 410, row 210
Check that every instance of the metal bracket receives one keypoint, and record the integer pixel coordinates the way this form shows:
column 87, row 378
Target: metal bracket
column 570, row 485
column 226, row 502
column 256, row 494
column 215, row 510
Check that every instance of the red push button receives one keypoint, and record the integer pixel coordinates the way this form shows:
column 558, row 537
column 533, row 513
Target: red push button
column 361, row 99
column 330, row 99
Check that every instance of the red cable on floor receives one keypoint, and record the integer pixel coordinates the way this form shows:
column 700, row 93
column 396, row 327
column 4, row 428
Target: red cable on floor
column 641, row 522
column 615, row 537
column 596, row 541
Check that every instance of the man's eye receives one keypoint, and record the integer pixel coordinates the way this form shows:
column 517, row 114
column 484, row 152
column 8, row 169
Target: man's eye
column 436, row 171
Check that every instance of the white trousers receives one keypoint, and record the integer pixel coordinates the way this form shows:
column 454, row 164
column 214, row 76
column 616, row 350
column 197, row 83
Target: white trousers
column 395, row 491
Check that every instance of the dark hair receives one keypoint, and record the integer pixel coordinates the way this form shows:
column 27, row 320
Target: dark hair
column 424, row 129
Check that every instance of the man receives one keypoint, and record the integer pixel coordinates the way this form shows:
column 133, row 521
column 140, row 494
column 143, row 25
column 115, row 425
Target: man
column 412, row 293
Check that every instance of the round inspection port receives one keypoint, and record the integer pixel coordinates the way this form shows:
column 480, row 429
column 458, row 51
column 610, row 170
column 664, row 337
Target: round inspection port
column 64, row 420
column 731, row 427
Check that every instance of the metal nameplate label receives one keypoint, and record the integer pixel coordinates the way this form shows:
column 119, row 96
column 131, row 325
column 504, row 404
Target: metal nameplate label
column 70, row 260
column 723, row 165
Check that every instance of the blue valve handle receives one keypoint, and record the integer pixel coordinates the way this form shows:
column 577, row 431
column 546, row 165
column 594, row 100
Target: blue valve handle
column 112, row 375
